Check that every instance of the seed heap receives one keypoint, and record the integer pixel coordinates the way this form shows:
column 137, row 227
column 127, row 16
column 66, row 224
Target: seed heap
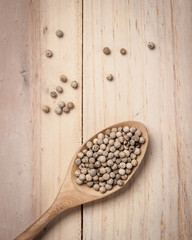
column 109, row 158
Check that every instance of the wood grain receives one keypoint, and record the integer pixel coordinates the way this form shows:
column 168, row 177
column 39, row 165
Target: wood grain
column 36, row 148
column 153, row 87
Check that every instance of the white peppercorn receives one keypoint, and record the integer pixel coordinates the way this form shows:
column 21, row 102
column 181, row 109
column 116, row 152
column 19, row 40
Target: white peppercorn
column 95, row 155
column 53, row 94
column 46, row 109
column 92, row 160
column 84, row 170
column 70, row 105
column 121, row 171
column 120, row 182
column 110, row 181
column 97, row 164
column 78, row 181
column 61, row 104
column 89, row 184
column 100, row 135
column 114, row 167
column 118, row 134
column 127, row 153
column 95, row 141
column 112, row 174
column 59, row 89
column 122, row 154
column 95, row 148
column 134, row 162
column 135, row 138
column 121, row 139
column 82, row 177
column 104, row 164
column 117, row 144
column 129, row 134
column 129, row 165
column 112, row 149
column 102, row 189
column 105, row 140
column 96, row 187
column 89, row 144
column 116, row 153
column 132, row 129
column 126, row 129
column 77, row 161
column 141, row 140
column 102, row 159
column 80, row 155
column 112, row 135
column 110, row 163
column 128, row 171
column 106, row 176
column 59, row 33
column 89, row 153
column 88, row 178
column 122, row 165
column 107, row 131
column 102, row 170
column 74, row 84
column 114, row 130
column 108, row 186
column 108, row 169
column 103, row 146
column 124, row 177
column 100, row 141
column 66, row 109
column 133, row 156
column 110, row 155
column 111, row 142
column 63, row 78
column 95, row 178
column 77, row 173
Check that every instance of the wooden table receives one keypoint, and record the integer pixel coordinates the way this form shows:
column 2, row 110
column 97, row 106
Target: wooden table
column 151, row 86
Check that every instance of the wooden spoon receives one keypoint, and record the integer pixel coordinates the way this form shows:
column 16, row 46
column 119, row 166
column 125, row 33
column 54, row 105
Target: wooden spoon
column 71, row 194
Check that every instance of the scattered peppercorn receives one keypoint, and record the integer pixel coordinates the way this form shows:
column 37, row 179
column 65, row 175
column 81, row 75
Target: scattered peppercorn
column 109, row 77
column 106, row 51
column 59, row 33
column 66, row 109
column 123, row 51
column 63, row 78
column 59, row 89
column 58, row 110
column 70, row 105
column 74, row 84
column 48, row 53
column 151, row 45
column 46, row 109
column 61, row 104
column 53, row 94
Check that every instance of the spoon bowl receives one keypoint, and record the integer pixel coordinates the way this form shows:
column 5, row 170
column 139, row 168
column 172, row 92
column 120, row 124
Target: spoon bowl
column 71, row 194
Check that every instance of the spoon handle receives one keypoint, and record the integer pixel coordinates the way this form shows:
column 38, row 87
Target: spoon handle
column 38, row 225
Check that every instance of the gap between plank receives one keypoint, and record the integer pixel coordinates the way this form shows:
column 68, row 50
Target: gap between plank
column 82, row 139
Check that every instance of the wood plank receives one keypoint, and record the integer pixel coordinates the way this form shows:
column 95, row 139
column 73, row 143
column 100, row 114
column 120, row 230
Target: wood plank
column 36, row 148
column 153, row 87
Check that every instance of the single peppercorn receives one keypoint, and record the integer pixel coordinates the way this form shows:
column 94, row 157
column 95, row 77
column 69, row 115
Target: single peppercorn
column 74, row 84
column 70, row 105
column 106, row 51
column 59, row 33
column 58, row 110
column 46, row 109
column 63, row 78
column 48, row 53
column 66, row 109
column 123, row 51
column 53, row 94
column 59, row 89
column 151, row 45
column 61, row 104
column 109, row 77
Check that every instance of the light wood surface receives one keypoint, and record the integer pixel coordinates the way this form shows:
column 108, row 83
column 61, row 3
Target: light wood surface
column 72, row 195
column 36, row 148
column 153, row 87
